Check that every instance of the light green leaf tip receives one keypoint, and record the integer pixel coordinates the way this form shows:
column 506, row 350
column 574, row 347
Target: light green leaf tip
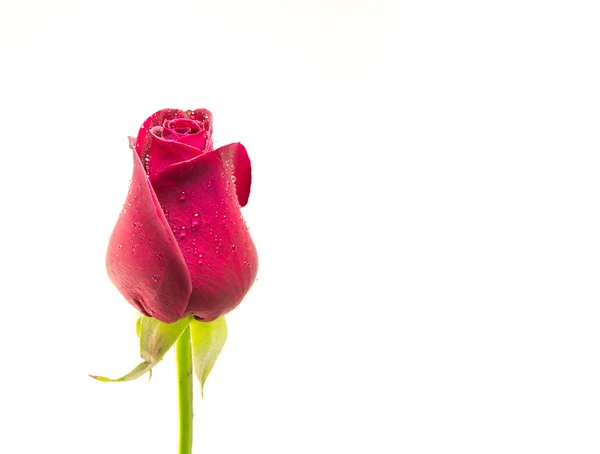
column 156, row 338
column 208, row 339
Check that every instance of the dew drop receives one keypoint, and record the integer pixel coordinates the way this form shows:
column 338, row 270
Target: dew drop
column 195, row 222
column 182, row 196
column 120, row 246
column 233, row 247
column 159, row 255
column 182, row 232
column 154, row 278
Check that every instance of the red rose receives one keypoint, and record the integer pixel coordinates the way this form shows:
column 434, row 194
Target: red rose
column 181, row 246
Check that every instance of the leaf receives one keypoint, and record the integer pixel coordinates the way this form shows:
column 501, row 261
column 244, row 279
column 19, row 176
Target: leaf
column 156, row 338
column 208, row 339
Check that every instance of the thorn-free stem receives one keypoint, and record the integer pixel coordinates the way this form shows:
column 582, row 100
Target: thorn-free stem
column 185, row 383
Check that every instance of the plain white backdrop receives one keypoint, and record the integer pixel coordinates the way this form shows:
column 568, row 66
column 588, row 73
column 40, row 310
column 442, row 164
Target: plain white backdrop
column 425, row 204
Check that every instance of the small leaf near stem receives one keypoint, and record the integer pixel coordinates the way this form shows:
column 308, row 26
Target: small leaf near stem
column 208, row 339
column 156, row 339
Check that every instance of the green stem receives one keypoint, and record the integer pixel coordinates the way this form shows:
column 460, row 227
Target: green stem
column 184, row 375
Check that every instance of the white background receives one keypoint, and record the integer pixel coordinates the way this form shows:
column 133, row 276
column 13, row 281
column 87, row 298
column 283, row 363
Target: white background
column 425, row 204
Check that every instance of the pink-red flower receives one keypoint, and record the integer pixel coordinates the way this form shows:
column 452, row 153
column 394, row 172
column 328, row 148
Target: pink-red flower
column 181, row 246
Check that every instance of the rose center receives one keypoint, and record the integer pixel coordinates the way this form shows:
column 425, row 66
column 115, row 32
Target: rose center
column 175, row 129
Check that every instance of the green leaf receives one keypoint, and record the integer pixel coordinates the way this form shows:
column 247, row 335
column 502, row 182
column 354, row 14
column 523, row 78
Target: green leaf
column 208, row 339
column 138, row 325
column 156, row 338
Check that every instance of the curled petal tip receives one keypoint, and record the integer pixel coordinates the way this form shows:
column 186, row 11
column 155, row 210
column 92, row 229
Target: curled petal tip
column 132, row 142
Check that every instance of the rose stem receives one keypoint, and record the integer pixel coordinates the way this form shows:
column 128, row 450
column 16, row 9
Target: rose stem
column 186, row 409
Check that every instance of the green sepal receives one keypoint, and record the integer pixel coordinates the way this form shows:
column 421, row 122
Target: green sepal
column 138, row 325
column 156, row 338
column 208, row 339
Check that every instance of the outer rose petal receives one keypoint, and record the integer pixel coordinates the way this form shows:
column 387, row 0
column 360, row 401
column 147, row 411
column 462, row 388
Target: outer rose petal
column 203, row 210
column 237, row 153
column 143, row 260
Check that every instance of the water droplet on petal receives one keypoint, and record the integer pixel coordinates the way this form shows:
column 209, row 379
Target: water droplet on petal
column 182, row 196
column 154, row 278
column 195, row 221
column 182, row 232
column 120, row 246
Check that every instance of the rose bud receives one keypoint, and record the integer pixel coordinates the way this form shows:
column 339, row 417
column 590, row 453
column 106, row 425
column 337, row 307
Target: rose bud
column 181, row 246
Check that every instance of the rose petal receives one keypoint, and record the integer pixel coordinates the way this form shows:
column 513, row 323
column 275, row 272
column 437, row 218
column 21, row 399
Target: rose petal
column 195, row 140
column 163, row 153
column 132, row 141
column 242, row 170
column 143, row 259
column 205, row 117
column 205, row 216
